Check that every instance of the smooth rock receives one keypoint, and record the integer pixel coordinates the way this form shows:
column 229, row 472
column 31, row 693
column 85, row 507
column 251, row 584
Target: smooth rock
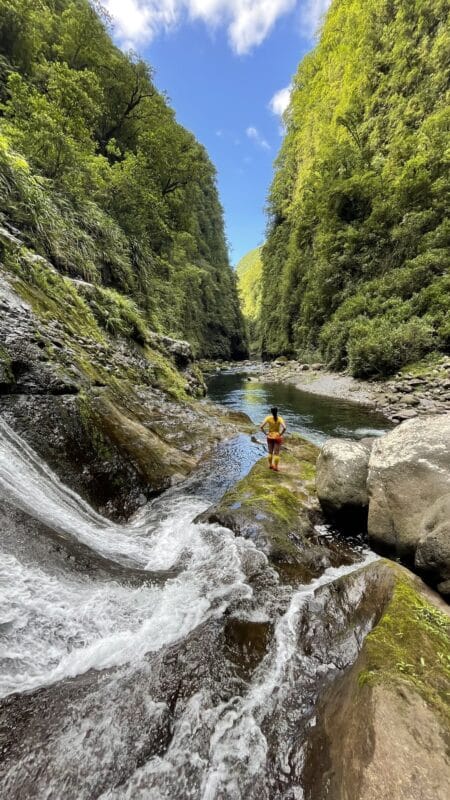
column 410, row 400
column 433, row 551
column 341, row 481
column 409, row 469
column 408, row 413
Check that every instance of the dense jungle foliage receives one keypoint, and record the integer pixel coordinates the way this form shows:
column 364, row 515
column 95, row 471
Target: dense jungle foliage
column 359, row 234
column 97, row 175
column 249, row 272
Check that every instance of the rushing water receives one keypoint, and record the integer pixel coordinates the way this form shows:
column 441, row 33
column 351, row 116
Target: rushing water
column 169, row 659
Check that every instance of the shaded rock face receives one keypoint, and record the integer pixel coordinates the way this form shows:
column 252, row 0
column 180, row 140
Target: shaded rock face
column 433, row 551
column 341, row 482
column 96, row 408
column 382, row 729
column 409, row 469
column 398, row 487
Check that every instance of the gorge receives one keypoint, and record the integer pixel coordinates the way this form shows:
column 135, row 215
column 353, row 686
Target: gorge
column 177, row 621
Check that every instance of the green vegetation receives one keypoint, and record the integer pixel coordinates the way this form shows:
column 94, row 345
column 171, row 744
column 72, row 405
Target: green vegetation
column 411, row 645
column 98, row 177
column 359, row 236
column 249, row 272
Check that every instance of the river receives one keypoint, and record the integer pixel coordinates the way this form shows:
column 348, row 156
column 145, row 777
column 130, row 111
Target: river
column 163, row 658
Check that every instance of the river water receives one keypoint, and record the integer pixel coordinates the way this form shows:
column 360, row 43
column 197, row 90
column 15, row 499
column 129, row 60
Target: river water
column 163, row 658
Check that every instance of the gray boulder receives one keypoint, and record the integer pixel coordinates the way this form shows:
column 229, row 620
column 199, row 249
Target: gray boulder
column 433, row 550
column 409, row 469
column 341, row 480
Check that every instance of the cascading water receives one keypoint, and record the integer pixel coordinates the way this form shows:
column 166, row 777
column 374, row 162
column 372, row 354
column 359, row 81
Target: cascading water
column 141, row 696
column 59, row 626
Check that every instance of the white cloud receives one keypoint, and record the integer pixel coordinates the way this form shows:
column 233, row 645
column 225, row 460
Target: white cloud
column 311, row 14
column 280, row 101
column 254, row 134
column 139, row 21
column 248, row 22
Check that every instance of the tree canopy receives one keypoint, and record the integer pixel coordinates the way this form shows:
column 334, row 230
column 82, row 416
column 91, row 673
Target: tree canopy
column 359, row 234
column 100, row 177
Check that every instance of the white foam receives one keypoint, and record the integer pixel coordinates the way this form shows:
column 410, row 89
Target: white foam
column 57, row 626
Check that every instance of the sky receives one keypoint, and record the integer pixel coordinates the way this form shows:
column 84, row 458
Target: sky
column 226, row 67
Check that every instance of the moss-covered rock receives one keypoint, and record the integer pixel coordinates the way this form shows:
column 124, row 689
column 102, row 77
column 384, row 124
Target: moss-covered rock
column 383, row 728
column 279, row 512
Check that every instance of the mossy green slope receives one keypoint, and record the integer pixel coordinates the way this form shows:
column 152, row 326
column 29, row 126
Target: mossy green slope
column 358, row 236
column 99, row 178
column 410, row 647
column 249, row 273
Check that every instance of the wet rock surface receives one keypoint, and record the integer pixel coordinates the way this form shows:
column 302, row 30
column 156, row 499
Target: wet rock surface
column 111, row 416
column 341, row 481
column 280, row 513
column 205, row 696
column 382, row 729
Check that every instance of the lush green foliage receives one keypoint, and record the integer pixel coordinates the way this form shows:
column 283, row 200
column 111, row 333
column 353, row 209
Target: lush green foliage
column 249, row 272
column 359, row 238
column 108, row 185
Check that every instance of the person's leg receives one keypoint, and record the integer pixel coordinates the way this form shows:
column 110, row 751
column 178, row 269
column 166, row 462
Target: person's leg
column 270, row 444
column 276, row 458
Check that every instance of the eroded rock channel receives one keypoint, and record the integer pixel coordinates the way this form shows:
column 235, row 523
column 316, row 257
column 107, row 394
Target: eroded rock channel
column 225, row 642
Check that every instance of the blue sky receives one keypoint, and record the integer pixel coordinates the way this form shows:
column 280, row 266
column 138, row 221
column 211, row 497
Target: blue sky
column 224, row 65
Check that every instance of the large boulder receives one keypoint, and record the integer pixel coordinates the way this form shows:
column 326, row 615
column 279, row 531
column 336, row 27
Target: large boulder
column 341, row 482
column 433, row 550
column 409, row 469
column 279, row 512
column 381, row 729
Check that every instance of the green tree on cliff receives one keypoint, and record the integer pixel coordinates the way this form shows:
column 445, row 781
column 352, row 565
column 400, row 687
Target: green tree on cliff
column 119, row 193
column 359, row 234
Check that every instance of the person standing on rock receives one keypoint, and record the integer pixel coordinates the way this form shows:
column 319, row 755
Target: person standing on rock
column 274, row 426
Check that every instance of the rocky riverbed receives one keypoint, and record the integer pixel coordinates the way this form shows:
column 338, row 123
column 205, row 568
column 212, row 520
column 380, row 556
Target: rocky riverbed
column 209, row 633
column 425, row 390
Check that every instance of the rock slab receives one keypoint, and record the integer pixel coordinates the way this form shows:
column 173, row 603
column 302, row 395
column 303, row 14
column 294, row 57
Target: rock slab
column 409, row 469
column 341, row 482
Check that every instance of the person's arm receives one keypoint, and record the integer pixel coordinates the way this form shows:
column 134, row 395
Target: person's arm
column 263, row 425
column 283, row 427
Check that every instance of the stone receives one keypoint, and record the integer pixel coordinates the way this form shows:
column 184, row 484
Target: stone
column 410, row 400
column 409, row 469
column 341, row 482
column 381, row 730
column 407, row 413
column 433, row 550
column 278, row 512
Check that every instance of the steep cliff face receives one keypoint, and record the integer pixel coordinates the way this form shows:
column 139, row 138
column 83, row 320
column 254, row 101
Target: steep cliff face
column 249, row 272
column 100, row 179
column 359, row 241
column 108, row 403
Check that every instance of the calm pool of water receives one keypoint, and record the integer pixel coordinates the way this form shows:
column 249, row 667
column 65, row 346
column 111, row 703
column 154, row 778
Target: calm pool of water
column 314, row 417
